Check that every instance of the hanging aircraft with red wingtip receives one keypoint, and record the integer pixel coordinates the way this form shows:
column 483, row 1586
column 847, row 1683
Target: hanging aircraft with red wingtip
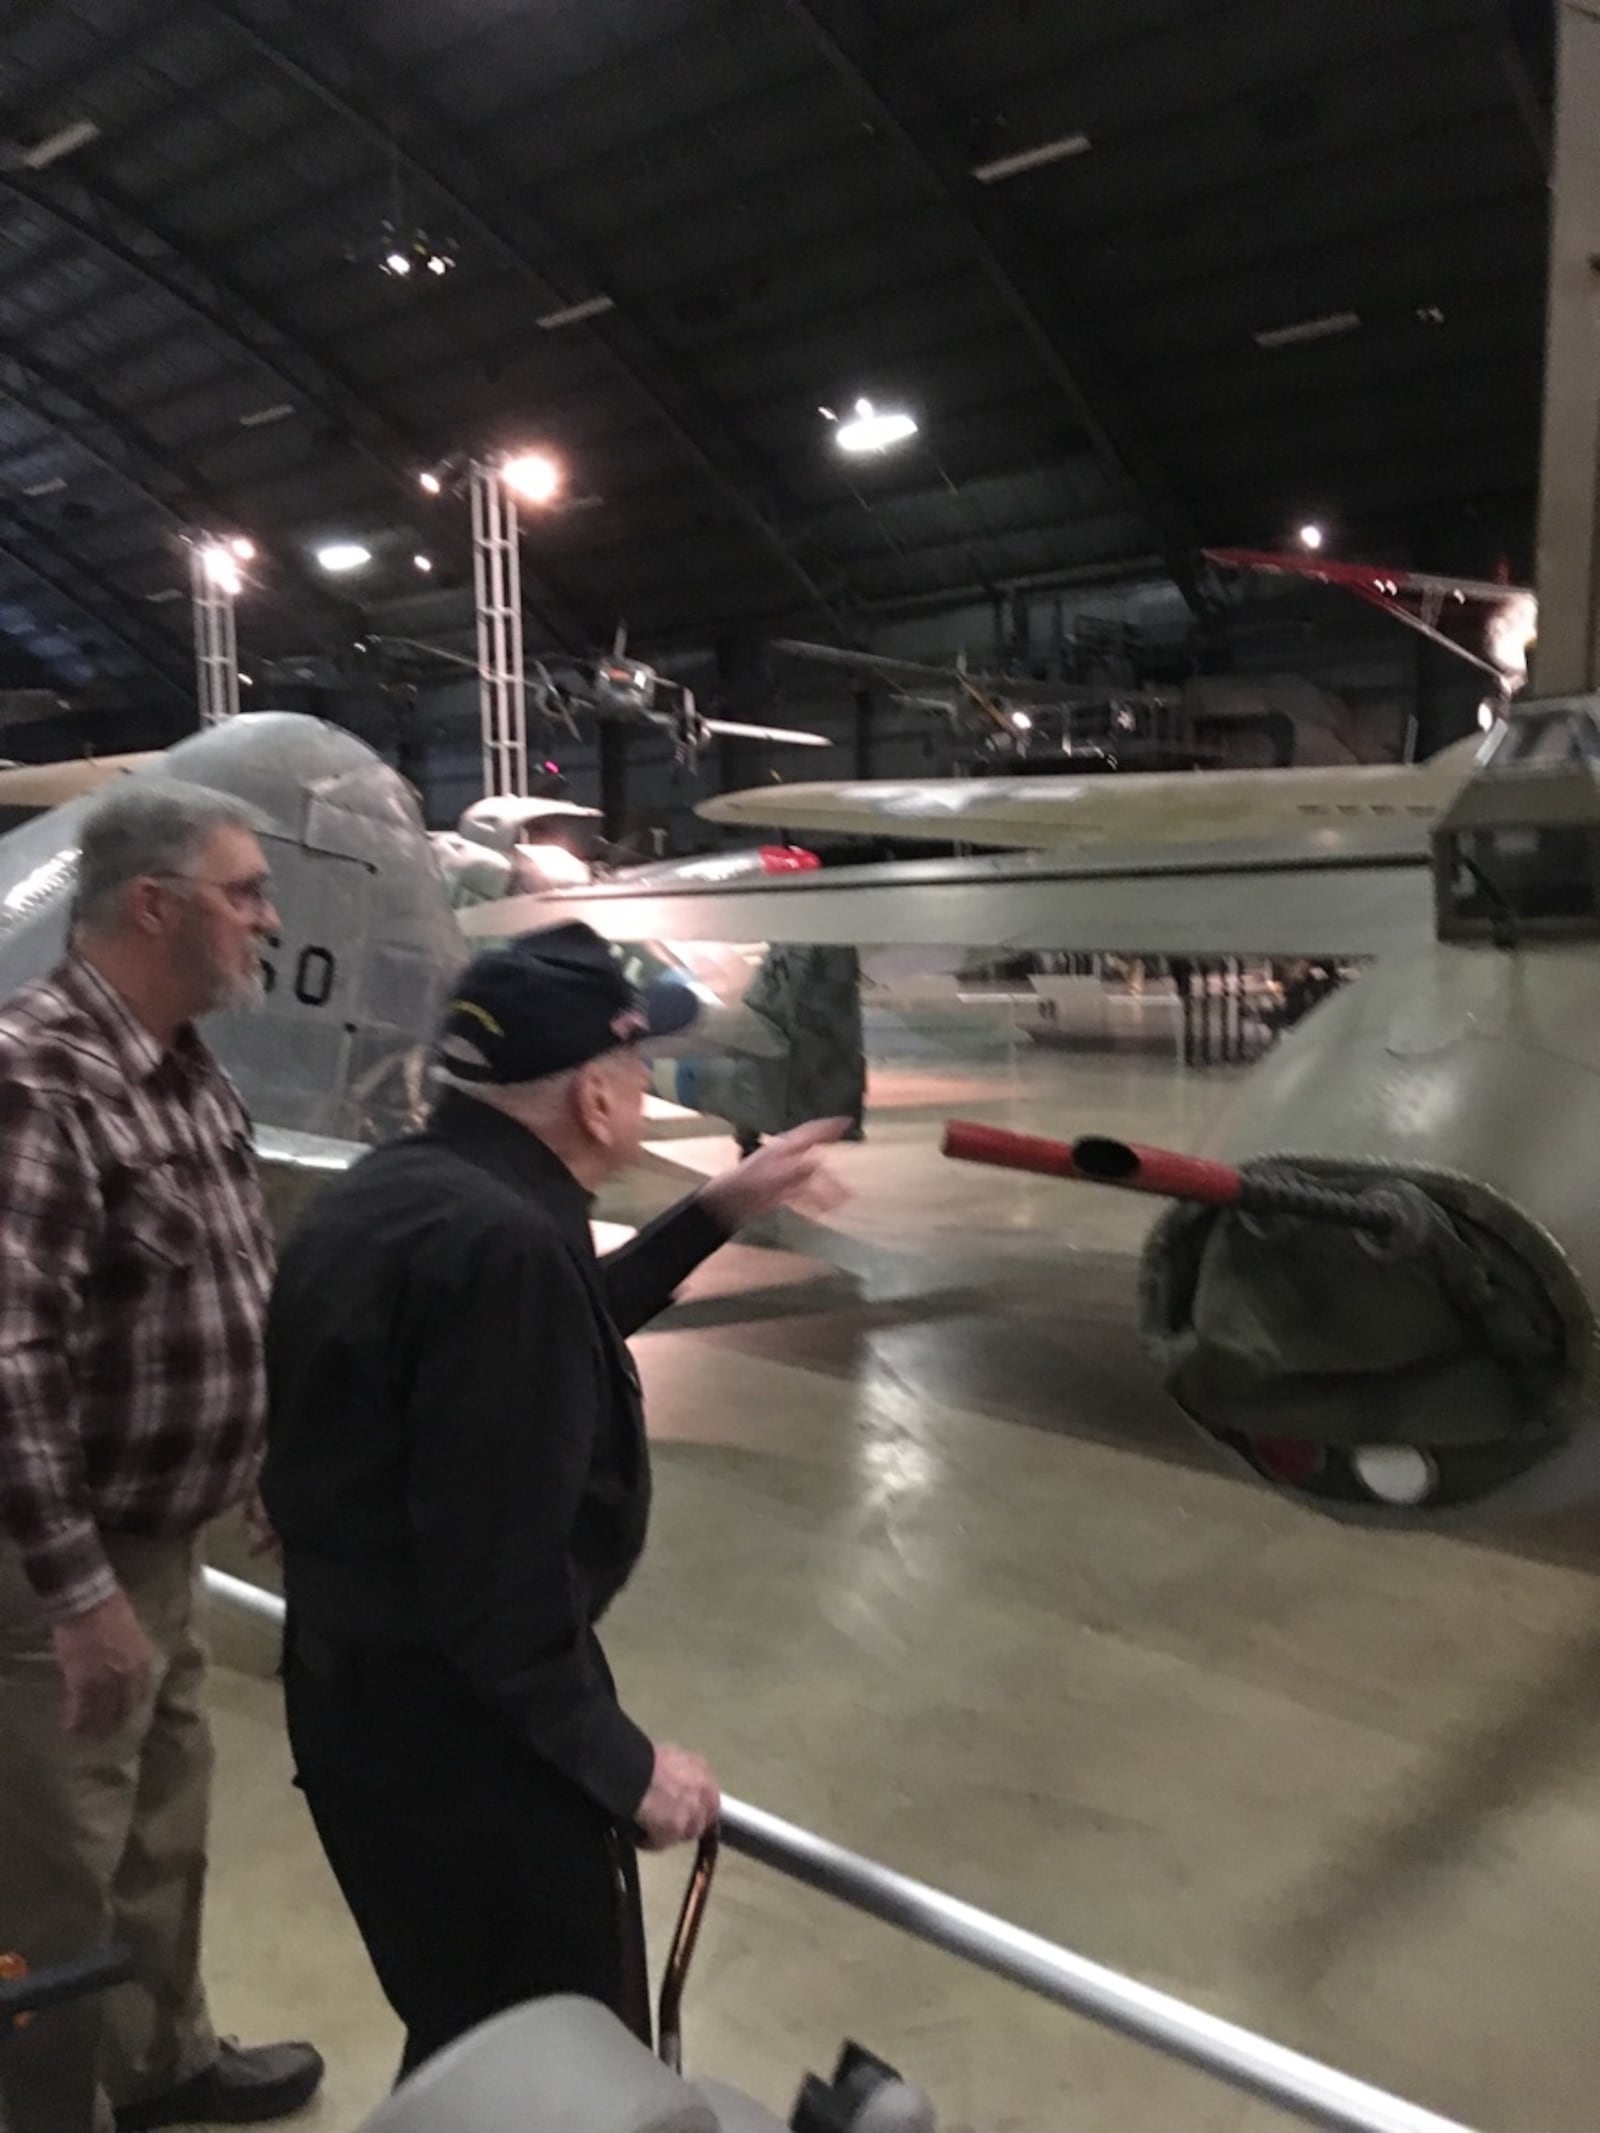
column 1423, row 600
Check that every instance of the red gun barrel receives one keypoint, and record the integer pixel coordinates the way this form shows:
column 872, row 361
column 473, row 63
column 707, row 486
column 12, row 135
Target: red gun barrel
column 1159, row 1170
column 970, row 1143
column 1097, row 1160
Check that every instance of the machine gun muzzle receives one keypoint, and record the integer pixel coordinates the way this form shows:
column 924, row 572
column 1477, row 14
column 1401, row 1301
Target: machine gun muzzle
column 1096, row 1160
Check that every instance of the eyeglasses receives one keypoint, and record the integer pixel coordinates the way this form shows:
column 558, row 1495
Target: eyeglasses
column 254, row 893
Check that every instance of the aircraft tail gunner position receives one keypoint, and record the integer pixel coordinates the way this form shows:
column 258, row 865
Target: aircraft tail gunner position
column 458, row 1471
column 134, row 1265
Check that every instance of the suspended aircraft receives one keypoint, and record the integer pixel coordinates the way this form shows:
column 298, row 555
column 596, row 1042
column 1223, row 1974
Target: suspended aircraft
column 1503, row 619
column 620, row 690
column 1042, row 727
column 1442, row 1360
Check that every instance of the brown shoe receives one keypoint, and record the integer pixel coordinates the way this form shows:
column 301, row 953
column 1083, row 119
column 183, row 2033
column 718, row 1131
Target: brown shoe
column 243, row 2086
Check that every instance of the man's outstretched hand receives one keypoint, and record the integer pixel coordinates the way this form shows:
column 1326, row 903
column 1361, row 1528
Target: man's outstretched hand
column 790, row 1171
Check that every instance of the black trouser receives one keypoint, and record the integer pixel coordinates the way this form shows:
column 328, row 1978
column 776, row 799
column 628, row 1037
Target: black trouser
column 478, row 1876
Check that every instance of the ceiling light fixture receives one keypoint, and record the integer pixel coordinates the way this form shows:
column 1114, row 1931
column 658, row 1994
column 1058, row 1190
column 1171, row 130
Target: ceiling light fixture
column 1311, row 536
column 401, row 248
column 576, row 314
column 423, row 563
column 259, row 417
column 534, row 476
column 872, row 430
column 401, row 252
column 341, row 556
column 53, row 487
column 243, row 548
column 65, row 141
column 1012, row 166
column 430, row 482
column 1308, row 329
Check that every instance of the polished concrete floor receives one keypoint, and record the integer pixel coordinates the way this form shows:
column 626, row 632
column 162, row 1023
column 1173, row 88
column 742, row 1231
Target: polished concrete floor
column 936, row 1572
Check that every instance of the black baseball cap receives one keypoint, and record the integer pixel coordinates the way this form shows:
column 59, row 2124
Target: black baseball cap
column 549, row 1001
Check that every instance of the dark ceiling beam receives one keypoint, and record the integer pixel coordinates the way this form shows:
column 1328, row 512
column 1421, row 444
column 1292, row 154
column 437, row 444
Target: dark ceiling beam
column 112, row 439
column 28, row 547
column 126, row 233
column 103, row 435
column 131, row 237
column 50, row 95
column 349, row 78
column 840, row 33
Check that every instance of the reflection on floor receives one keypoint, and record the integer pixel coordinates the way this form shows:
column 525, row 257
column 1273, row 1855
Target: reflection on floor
column 916, row 1581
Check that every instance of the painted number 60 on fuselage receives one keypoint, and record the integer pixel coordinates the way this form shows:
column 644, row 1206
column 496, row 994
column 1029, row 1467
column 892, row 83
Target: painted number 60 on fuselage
column 316, row 972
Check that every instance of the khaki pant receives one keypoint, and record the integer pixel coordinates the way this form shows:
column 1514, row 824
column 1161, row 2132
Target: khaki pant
column 105, row 1841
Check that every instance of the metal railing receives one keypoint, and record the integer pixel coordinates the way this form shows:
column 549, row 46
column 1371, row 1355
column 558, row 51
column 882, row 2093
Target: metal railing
column 1302, row 2086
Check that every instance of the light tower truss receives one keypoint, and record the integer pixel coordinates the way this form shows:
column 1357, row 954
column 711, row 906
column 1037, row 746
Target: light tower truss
column 497, row 587
column 214, row 584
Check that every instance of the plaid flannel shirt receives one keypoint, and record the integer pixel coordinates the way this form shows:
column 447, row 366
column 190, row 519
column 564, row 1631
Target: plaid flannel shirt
column 135, row 1260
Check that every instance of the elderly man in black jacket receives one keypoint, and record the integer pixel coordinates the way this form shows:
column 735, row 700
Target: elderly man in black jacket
column 458, row 1473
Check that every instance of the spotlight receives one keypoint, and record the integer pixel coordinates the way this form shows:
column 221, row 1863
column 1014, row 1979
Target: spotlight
column 396, row 263
column 869, row 430
column 423, row 562
column 1022, row 721
column 244, row 549
column 1311, row 536
column 222, row 569
column 341, row 556
column 534, row 476
column 431, row 483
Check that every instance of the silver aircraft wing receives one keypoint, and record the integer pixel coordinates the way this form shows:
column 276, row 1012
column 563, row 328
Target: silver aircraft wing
column 1346, row 890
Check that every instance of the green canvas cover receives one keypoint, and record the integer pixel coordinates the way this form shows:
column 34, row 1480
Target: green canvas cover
column 1262, row 1325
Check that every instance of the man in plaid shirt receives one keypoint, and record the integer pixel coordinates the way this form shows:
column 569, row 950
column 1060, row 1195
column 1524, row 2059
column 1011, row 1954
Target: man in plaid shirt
column 135, row 1261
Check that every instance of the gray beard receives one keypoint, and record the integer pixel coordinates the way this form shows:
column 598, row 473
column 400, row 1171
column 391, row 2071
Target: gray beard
column 233, row 995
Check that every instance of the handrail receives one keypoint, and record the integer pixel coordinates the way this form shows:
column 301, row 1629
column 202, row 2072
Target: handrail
column 1302, row 2086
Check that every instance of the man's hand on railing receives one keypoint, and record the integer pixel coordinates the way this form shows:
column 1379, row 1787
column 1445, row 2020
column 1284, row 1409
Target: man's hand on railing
column 683, row 1800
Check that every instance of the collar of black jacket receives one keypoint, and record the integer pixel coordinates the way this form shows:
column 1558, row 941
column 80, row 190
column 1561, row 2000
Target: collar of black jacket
column 487, row 1137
